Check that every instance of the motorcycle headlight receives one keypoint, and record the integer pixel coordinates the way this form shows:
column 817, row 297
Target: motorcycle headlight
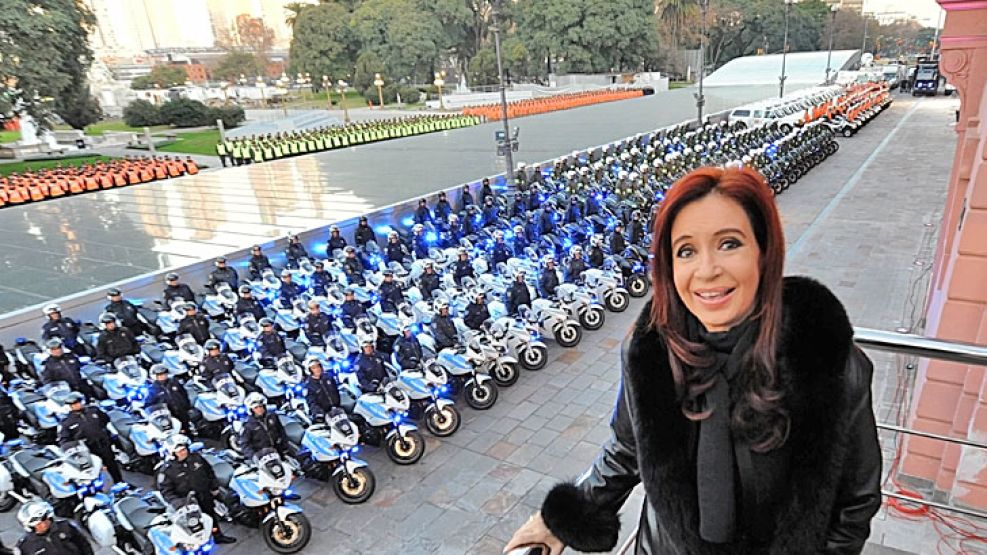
column 276, row 492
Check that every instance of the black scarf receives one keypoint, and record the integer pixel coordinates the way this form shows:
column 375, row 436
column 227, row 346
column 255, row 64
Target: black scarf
column 715, row 459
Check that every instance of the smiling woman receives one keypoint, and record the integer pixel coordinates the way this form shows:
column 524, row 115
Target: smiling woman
column 744, row 408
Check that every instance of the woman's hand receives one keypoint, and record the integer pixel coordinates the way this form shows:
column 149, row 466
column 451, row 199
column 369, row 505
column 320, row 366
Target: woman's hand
column 534, row 533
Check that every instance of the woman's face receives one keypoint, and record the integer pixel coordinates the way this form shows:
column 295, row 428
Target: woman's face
column 715, row 261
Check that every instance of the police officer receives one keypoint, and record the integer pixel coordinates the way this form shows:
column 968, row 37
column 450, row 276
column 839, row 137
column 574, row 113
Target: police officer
column 194, row 324
column 573, row 214
column 442, row 208
column 419, row 242
column 462, row 267
column 443, row 328
column 64, row 367
column 321, row 389
column 546, row 219
column 169, row 391
column 351, row 309
column 407, row 349
column 115, row 341
column 454, row 231
column 390, row 293
column 262, row 430
column 465, row 199
column 295, row 251
column 364, row 233
column 258, row 262
column 636, row 228
column 174, row 290
column 518, row 208
column 491, row 214
column 187, row 472
column 63, row 328
column 486, row 191
column 353, row 267
column 520, row 241
column 247, row 304
column 518, row 294
column 422, row 214
column 336, row 240
column 270, row 345
column 289, row 289
column 215, row 362
column 320, row 279
column 576, row 265
column 476, row 312
column 549, row 278
column 317, row 325
column 89, row 424
column 500, row 253
column 125, row 311
column 617, row 242
column 395, row 251
column 370, row 371
column 596, row 255
column 429, row 280
column 223, row 274
column 47, row 535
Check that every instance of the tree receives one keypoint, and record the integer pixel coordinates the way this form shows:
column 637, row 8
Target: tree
column 231, row 115
column 323, row 43
column 367, row 65
column 77, row 107
column 248, row 33
column 483, row 68
column 140, row 113
column 236, row 63
column 184, row 112
column 675, row 15
column 44, row 54
column 162, row 76
column 399, row 32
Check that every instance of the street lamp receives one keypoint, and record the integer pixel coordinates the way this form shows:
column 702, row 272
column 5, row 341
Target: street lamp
column 341, row 89
column 832, row 30
column 700, row 97
column 327, row 85
column 439, row 81
column 508, row 140
column 261, row 84
column 784, row 50
column 379, row 83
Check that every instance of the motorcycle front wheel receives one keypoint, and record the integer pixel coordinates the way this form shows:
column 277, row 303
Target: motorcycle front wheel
column 534, row 358
column 637, row 286
column 617, row 302
column 505, row 373
column 442, row 422
column 289, row 536
column 481, row 397
column 592, row 319
column 355, row 488
column 569, row 335
column 408, row 449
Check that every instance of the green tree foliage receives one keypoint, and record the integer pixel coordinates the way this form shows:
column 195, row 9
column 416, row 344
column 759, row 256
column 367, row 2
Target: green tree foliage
column 231, row 115
column 368, row 65
column 407, row 37
column 483, row 68
column 236, row 63
column 184, row 112
column 323, row 42
column 162, row 76
column 140, row 113
column 44, row 54
column 77, row 107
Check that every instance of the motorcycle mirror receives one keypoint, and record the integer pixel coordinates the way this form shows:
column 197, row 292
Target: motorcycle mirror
column 196, row 446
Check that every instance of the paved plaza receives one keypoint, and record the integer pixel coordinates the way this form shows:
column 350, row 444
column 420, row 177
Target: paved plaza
column 864, row 223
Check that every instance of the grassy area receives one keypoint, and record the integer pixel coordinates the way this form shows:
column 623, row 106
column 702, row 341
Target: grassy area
column 20, row 167
column 678, row 85
column 119, row 125
column 9, row 136
column 194, row 142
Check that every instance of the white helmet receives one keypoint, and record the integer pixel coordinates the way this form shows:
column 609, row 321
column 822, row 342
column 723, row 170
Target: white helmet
column 50, row 308
column 418, row 228
column 310, row 361
column 440, row 304
column 173, row 443
column 255, row 400
column 392, row 235
column 34, row 512
column 498, row 234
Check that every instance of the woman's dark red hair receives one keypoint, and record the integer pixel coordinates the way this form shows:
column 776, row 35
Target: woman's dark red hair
column 757, row 415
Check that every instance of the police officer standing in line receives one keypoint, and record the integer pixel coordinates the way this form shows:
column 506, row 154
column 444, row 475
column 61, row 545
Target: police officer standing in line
column 125, row 312
column 174, row 290
column 407, row 349
column 351, row 308
column 443, row 328
column 390, row 293
column 194, row 324
column 353, row 267
column 295, row 251
column 247, row 304
column 317, row 325
column 549, row 278
column 429, row 280
column 336, row 240
column 64, row 367
column 47, row 535
column 187, row 472
column 63, row 328
column 169, row 391
column 115, row 342
column 476, row 312
column 258, row 262
column 462, row 267
column 215, row 362
column 370, row 371
column 364, row 233
column 321, row 389
column 223, row 274
column 89, row 424
column 320, row 279
column 617, row 242
column 518, row 294
column 270, row 345
column 262, row 429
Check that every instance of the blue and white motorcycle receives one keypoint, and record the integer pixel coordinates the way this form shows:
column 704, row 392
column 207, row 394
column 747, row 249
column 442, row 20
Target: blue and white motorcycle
column 162, row 528
column 126, row 383
column 284, row 381
column 60, row 475
column 427, row 387
column 332, row 445
column 478, row 388
column 222, row 410
column 186, row 356
column 143, row 439
column 384, row 414
column 42, row 408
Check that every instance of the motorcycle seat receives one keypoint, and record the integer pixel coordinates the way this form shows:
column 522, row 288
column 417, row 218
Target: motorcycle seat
column 293, row 430
column 224, row 472
column 248, row 372
column 139, row 513
column 32, row 462
column 29, row 397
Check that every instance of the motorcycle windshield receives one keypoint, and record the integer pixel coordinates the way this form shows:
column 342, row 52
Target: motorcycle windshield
column 270, row 463
column 188, row 517
column 160, row 417
column 224, row 384
column 77, row 454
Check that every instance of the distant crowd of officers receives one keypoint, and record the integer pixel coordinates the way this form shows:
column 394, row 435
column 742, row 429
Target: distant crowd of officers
column 261, row 148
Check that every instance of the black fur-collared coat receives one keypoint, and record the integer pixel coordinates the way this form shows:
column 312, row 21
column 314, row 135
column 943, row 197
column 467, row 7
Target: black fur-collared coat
column 825, row 480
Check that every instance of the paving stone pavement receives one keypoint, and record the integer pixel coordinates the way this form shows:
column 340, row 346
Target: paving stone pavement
column 471, row 491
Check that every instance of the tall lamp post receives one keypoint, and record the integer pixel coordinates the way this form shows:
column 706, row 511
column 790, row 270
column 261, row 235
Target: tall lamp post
column 508, row 140
column 439, row 82
column 342, row 99
column 327, row 85
column 700, row 97
column 784, row 51
column 379, row 83
column 832, row 30
column 260, row 85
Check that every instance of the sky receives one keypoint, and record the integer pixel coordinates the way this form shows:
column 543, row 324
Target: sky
column 927, row 11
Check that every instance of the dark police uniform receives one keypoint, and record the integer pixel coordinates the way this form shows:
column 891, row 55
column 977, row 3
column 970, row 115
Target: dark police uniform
column 258, row 263
column 270, row 345
column 64, row 537
column 180, row 291
column 476, row 315
column 461, row 269
column 126, row 313
column 408, row 351
column 177, row 479
column 370, row 372
column 548, row 282
column 351, row 310
column 66, row 369
column 321, row 394
column 364, row 234
column 65, row 329
column 197, row 326
column 390, row 296
column 214, row 366
column 262, row 432
column 224, row 275
column 444, row 331
column 250, row 306
column 115, row 344
column 316, row 327
column 429, row 282
column 518, row 295
column 171, row 393
column 89, row 425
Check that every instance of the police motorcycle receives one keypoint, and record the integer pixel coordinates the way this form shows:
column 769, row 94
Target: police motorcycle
column 478, row 388
column 260, row 486
column 187, row 355
column 126, row 383
column 221, row 303
column 606, row 285
column 42, row 408
column 282, row 381
column 427, row 387
column 63, row 475
column 489, row 356
column 288, row 317
column 222, row 409
column 581, row 305
column 142, row 439
column 168, row 317
column 331, row 445
column 24, row 352
column 520, row 338
column 242, row 338
column 158, row 527
column 7, row 498
column 382, row 421
column 552, row 318
column 634, row 265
